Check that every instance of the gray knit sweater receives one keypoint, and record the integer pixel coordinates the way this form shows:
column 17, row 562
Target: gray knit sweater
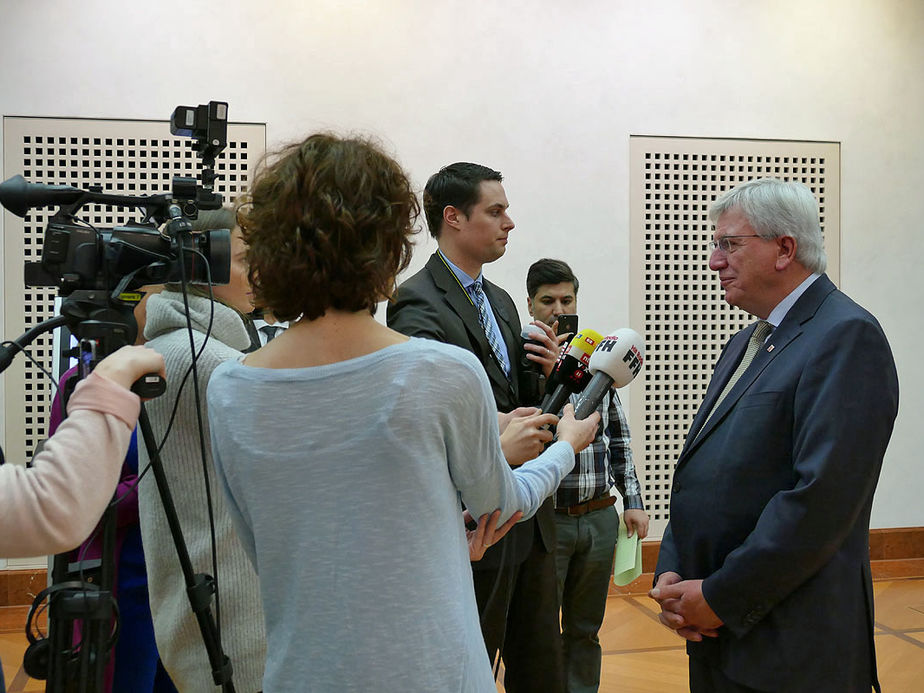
column 178, row 637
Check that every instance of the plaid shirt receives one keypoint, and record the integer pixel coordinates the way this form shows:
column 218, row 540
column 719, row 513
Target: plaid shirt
column 605, row 463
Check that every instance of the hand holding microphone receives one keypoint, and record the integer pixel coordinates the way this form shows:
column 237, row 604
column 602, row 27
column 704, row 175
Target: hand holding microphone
column 504, row 418
column 614, row 363
column 570, row 375
column 578, row 432
column 541, row 347
column 525, row 434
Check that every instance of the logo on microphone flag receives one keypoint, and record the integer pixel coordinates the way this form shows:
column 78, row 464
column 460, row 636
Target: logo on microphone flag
column 633, row 359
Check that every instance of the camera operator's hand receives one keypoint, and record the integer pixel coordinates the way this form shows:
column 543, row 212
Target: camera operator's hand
column 129, row 363
column 579, row 433
column 53, row 505
column 525, row 436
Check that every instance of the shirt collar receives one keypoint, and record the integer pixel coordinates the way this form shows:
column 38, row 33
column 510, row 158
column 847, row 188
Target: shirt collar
column 260, row 323
column 465, row 280
column 782, row 308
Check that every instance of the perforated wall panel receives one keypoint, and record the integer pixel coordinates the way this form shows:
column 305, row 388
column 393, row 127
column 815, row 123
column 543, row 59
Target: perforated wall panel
column 124, row 157
column 676, row 299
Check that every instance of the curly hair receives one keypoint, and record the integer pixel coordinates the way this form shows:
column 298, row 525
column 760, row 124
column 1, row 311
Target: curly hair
column 328, row 225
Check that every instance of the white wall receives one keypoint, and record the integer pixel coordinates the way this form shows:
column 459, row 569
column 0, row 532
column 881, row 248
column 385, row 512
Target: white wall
column 548, row 93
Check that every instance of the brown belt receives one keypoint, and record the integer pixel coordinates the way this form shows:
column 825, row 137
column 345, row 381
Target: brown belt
column 587, row 506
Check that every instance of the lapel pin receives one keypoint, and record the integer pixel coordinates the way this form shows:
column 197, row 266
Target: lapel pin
column 769, row 348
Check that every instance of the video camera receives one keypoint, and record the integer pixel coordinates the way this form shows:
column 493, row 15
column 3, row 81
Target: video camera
column 76, row 255
column 96, row 269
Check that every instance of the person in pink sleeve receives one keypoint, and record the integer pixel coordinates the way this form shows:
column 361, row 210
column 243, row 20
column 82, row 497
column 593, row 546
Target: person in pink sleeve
column 52, row 506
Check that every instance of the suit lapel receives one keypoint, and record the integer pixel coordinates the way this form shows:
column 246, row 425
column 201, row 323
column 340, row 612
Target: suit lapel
column 457, row 299
column 775, row 346
column 724, row 369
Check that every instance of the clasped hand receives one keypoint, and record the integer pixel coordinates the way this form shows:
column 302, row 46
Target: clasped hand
column 684, row 609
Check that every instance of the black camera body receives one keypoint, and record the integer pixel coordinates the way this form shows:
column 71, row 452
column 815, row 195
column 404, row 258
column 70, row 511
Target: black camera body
column 77, row 257
column 159, row 249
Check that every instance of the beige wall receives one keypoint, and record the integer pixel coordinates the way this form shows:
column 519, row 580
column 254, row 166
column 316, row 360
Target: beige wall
column 548, row 93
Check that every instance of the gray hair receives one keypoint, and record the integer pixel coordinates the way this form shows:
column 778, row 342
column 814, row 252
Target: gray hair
column 776, row 208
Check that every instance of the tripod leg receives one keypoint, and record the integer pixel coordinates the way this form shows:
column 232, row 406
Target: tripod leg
column 199, row 588
column 80, row 612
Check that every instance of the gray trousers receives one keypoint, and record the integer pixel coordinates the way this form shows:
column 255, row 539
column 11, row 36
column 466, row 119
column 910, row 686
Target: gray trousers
column 584, row 564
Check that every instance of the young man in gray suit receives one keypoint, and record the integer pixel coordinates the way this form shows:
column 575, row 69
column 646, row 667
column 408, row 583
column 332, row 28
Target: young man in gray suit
column 764, row 565
column 450, row 301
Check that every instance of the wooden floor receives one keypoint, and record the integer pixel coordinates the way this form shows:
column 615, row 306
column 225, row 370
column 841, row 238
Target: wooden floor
column 640, row 655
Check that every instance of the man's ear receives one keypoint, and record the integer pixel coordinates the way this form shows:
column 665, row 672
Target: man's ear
column 529, row 306
column 453, row 216
column 786, row 253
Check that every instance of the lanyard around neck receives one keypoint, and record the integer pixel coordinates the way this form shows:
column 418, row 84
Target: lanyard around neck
column 456, row 277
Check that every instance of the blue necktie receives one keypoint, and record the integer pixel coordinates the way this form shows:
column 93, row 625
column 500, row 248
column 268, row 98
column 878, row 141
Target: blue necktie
column 493, row 338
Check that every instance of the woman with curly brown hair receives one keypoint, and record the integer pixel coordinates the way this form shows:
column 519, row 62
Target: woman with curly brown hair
column 352, row 514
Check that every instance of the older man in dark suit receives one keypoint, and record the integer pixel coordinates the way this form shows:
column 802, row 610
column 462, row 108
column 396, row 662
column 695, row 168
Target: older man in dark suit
column 450, row 301
column 764, row 566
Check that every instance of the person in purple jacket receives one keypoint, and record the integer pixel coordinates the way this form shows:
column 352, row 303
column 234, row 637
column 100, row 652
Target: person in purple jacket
column 135, row 665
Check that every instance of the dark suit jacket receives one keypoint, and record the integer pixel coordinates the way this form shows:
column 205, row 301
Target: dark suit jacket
column 433, row 305
column 771, row 501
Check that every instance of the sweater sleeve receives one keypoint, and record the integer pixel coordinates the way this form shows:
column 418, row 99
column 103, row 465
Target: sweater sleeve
column 477, row 463
column 54, row 505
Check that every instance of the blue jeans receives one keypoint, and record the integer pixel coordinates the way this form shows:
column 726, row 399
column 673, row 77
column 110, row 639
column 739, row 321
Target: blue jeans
column 584, row 564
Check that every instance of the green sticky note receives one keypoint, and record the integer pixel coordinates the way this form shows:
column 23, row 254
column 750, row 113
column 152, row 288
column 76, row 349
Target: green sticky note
column 628, row 563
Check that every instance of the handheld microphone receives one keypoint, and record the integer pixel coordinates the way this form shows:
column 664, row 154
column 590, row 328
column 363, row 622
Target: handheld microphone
column 531, row 377
column 570, row 375
column 552, row 381
column 614, row 363
column 527, row 334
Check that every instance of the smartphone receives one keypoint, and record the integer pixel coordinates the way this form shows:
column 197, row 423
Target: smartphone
column 567, row 323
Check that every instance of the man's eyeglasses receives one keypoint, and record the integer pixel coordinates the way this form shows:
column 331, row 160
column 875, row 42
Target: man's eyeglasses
column 726, row 245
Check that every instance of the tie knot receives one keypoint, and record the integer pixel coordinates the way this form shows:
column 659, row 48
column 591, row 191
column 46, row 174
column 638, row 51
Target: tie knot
column 476, row 287
column 762, row 331
column 271, row 331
